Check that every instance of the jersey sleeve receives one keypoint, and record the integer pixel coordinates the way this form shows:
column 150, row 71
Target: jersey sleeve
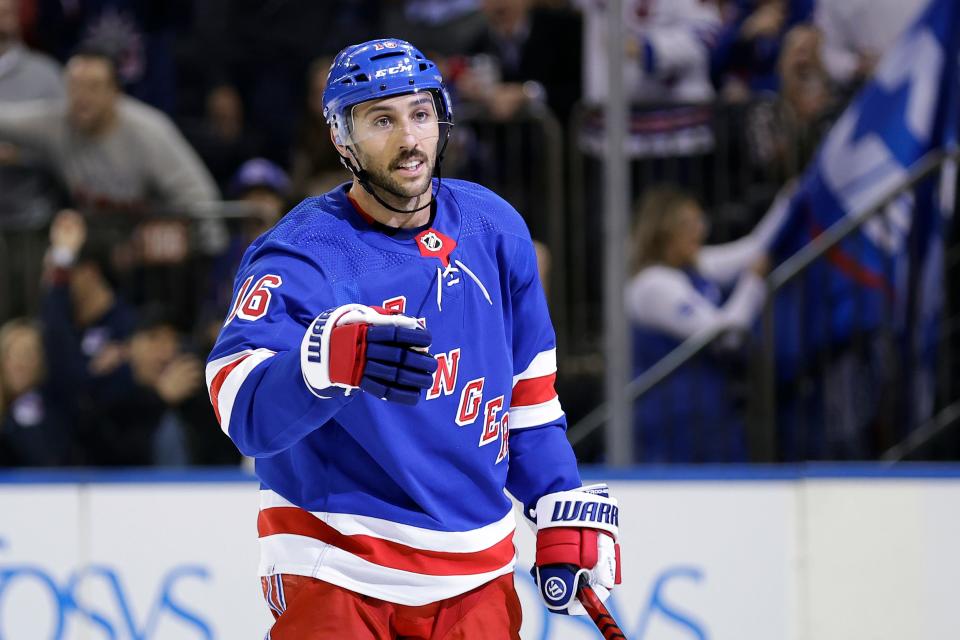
column 253, row 373
column 541, row 458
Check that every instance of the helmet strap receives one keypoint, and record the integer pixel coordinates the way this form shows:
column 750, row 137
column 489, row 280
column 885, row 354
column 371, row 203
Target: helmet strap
column 363, row 177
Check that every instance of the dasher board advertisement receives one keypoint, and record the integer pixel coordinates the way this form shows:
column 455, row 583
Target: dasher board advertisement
column 719, row 554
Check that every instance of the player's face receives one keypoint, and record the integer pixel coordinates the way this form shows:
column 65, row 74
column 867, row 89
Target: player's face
column 396, row 140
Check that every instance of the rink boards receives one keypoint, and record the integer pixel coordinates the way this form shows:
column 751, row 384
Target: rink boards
column 738, row 553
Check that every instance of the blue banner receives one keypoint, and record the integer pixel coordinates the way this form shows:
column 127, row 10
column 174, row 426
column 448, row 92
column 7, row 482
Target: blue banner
column 907, row 109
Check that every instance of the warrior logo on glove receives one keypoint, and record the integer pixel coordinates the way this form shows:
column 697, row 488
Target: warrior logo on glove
column 577, row 534
column 580, row 511
column 556, row 589
column 360, row 347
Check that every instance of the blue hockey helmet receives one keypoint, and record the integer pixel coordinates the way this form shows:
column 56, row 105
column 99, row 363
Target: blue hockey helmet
column 381, row 69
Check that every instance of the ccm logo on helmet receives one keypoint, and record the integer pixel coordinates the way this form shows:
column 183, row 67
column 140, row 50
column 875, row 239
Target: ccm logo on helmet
column 400, row 68
column 569, row 511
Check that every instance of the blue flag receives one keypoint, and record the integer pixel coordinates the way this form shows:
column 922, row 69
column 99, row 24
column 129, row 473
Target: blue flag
column 908, row 109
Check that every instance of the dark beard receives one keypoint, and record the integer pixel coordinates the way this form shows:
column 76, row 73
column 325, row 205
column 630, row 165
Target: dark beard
column 384, row 180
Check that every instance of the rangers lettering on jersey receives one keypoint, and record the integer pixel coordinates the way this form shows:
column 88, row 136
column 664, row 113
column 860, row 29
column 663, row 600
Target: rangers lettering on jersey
column 504, row 438
column 398, row 304
column 491, row 425
column 445, row 379
column 470, row 399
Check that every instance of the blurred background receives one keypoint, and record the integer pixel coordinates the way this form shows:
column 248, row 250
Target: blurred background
column 743, row 212
column 144, row 145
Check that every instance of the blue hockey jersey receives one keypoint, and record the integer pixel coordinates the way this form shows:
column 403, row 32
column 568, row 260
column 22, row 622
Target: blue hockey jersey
column 402, row 503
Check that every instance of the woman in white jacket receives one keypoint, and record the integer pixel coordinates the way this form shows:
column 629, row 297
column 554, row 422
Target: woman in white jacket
column 681, row 288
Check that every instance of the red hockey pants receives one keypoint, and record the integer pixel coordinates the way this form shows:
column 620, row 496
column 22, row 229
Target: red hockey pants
column 310, row 609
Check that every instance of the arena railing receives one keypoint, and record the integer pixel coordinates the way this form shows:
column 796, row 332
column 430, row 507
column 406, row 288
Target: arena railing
column 643, row 383
column 24, row 240
column 713, row 152
column 521, row 159
column 763, row 427
column 900, row 424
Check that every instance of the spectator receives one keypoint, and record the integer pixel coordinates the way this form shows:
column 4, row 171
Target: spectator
column 316, row 164
column 24, row 74
column 668, row 50
column 515, row 60
column 270, row 46
column 784, row 132
column 85, row 323
column 135, row 392
column 440, row 26
column 265, row 188
column 744, row 59
column 677, row 292
column 28, row 193
column 82, row 314
column 222, row 138
column 137, row 419
column 666, row 64
column 35, row 428
column 510, row 67
column 114, row 152
column 857, row 32
column 138, row 35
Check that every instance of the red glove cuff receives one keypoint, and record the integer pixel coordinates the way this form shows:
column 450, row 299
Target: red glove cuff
column 348, row 353
column 567, row 545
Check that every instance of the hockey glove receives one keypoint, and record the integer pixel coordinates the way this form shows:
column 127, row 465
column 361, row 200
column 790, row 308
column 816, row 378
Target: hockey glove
column 360, row 347
column 576, row 544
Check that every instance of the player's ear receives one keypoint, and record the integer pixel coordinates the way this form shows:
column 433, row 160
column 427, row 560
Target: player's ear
column 342, row 150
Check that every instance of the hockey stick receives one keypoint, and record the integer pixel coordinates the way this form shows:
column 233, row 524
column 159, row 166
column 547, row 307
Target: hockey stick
column 599, row 614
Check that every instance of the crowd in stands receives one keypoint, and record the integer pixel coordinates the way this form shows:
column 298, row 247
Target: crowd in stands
column 171, row 134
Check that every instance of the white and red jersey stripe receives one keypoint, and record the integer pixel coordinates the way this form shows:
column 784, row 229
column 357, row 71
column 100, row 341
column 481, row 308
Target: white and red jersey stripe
column 534, row 401
column 387, row 560
column 226, row 375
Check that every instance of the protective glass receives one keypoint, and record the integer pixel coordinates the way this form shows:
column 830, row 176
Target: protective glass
column 414, row 114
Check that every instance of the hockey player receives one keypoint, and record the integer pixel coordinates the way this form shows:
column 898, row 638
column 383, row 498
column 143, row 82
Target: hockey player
column 389, row 361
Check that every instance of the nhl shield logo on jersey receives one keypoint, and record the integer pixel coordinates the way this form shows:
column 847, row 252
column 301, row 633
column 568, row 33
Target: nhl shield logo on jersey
column 433, row 244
